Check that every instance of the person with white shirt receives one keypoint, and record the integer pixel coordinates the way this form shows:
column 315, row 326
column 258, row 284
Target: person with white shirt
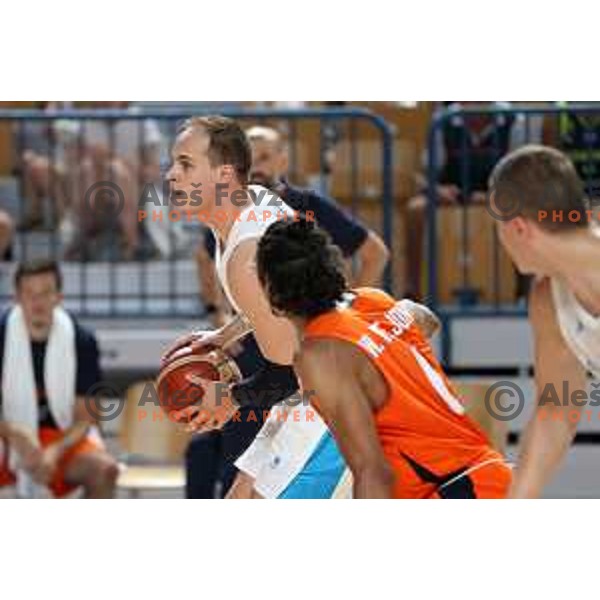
column 546, row 224
column 212, row 154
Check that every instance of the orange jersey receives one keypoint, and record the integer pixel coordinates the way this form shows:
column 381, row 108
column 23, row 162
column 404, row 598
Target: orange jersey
column 424, row 432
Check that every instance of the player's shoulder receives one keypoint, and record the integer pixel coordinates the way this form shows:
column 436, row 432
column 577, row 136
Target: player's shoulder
column 373, row 298
column 316, row 352
column 266, row 203
column 265, row 209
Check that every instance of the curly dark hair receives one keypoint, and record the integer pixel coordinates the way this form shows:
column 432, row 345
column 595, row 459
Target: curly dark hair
column 301, row 269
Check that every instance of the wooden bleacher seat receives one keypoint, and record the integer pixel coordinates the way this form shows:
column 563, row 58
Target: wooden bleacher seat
column 481, row 255
column 366, row 182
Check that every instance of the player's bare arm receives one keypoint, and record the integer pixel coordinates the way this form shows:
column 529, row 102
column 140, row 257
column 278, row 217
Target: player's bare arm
column 276, row 336
column 203, row 341
column 550, row 432
column 348, row 411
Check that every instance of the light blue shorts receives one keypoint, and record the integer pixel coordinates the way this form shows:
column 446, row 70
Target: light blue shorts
column 321, row 475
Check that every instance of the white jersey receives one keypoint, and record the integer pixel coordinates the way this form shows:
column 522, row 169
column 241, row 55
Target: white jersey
column 580, row 330
column 267, row 208
column 284, row 446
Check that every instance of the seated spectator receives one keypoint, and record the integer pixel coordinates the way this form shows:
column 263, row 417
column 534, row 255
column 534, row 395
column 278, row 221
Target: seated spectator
column 125, row 152
column 577, row 134
column 48, row 364
column 48, row 155
column 6, row 235
column 468, row 148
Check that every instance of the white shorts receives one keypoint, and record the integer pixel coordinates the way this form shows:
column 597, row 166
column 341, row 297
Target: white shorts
column 294, row 456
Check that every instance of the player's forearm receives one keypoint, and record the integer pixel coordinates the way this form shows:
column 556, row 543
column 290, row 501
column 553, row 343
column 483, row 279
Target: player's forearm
column 547, row 441
column 375, row 483
column 234, row 330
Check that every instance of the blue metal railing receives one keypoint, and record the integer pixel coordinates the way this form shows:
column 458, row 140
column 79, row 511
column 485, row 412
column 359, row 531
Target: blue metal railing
column 527, row 124
column 168, row 121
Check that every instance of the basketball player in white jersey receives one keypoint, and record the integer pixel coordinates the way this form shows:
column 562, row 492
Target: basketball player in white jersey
column 550, row 232
column 212, row 160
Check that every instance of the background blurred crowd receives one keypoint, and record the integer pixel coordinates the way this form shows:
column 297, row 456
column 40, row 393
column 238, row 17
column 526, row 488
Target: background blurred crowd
column 47, row 167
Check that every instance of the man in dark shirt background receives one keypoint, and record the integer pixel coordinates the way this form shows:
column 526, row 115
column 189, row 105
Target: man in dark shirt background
column 211, row 457
column 63, row 460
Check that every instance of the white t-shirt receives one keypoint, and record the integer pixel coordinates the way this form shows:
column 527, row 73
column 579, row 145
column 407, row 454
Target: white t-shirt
column 281, row 449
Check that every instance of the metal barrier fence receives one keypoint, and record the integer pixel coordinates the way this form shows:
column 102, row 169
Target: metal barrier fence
column 61, row 154
column 467, row 270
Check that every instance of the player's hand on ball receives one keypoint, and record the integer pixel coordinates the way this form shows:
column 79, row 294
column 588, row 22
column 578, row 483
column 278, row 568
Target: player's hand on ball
column 197, row 342
column 214, row 411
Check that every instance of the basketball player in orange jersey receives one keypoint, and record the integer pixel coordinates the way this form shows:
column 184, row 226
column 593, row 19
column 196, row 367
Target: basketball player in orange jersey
column 390, row 407
column 546, row 225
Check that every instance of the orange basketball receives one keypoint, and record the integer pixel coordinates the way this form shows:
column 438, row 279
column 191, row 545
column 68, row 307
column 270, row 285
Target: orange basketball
column 181, row 382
